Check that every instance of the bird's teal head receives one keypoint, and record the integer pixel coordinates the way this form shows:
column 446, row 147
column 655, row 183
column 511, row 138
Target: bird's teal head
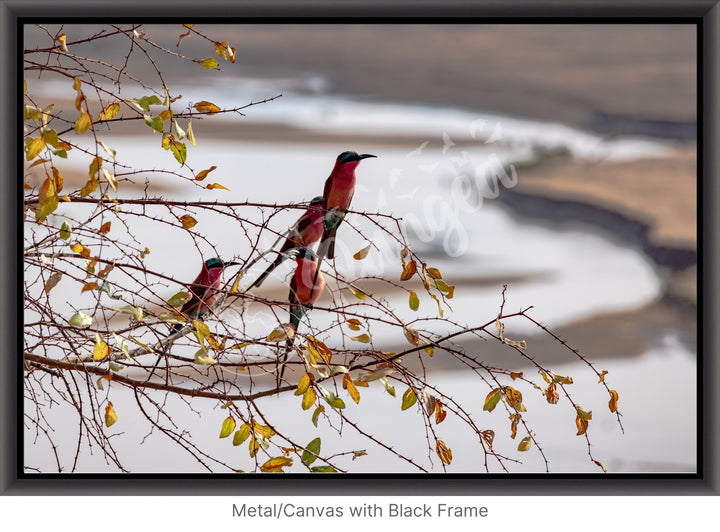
column 217, row 263
column 317, row 201
column 352, row 156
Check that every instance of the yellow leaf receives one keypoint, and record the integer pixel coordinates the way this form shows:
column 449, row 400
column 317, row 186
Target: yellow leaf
column 320, row 349
column 94, row 167
column 110, row 415
column 492, row 399
column 353, row 324
column 516, row 375
column 89, row 187
column 514, row 398
column 443, row 452
column 613, row 401
column 83, row 123
column 440, row 412
column 408, row 271
column 350, row 387
column 202, row 331
column 582, row 425
column 280, row 334
column 205, row 107
column 225, row 51
column 357, row 293
column 363, row 338
column 275, row 465
column 583, row 414
column 204, row 173
column 190, row 135
column 409, row 398
column 34, row 148
column 228, row 427
column 551, row 394
column 414, row 300
column 110, row 179
column 434, row 273
column 525, row 444
column 188, row 221
column 165, row 115
column 101, row 349
column 209, row 63
column 411, row 335
column 429, row 349
column 304, row 384
column 109, row 112
column 77, row 83
column 600, row 465
column 602, row 376
column 360, row 255
column 58, row 179
column 561, row 379
column 216, row 185
column 308, row 399
column 89, row 286
column 241, row 435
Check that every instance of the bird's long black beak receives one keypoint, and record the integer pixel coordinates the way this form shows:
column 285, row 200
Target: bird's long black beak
column 226, row 264
column 365, row 156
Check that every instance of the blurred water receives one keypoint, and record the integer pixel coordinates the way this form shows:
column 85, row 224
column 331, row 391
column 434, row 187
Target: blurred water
column 568, row 274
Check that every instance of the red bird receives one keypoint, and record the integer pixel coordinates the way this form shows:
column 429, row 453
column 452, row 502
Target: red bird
column 306, row 286
column 205, row 290
column 338, row 193
column 306, row 231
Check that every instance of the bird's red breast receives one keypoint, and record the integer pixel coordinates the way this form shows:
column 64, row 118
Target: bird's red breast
column 306, row 285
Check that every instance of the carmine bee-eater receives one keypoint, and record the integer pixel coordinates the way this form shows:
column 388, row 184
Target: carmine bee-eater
column 205, row 290
column 306, row 286
column 338, row 193
column 306, row 231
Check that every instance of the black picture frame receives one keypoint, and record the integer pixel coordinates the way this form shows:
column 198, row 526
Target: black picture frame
column 704, row 13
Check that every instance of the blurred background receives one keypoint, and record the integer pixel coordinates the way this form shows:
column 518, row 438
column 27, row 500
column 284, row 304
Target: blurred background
column 557, row 159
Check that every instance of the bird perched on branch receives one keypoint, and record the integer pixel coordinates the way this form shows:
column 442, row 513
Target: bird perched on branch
column 338, row 193
column 307, row 230
column 205, row 290
column 306, row 286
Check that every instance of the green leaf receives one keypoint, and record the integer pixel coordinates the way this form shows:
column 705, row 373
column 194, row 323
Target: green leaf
column 414, row 300
column 65, row 231
column 228, row 427
column 80, row 319
column 202, row 358
column 492, row 399
column 145, row 102
column 179, row 299
column 311, row 450
column 323, row 469
column 409, row 398
column 179, row 150
column 154, row 122
column 389, row 388
column 334, row 401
